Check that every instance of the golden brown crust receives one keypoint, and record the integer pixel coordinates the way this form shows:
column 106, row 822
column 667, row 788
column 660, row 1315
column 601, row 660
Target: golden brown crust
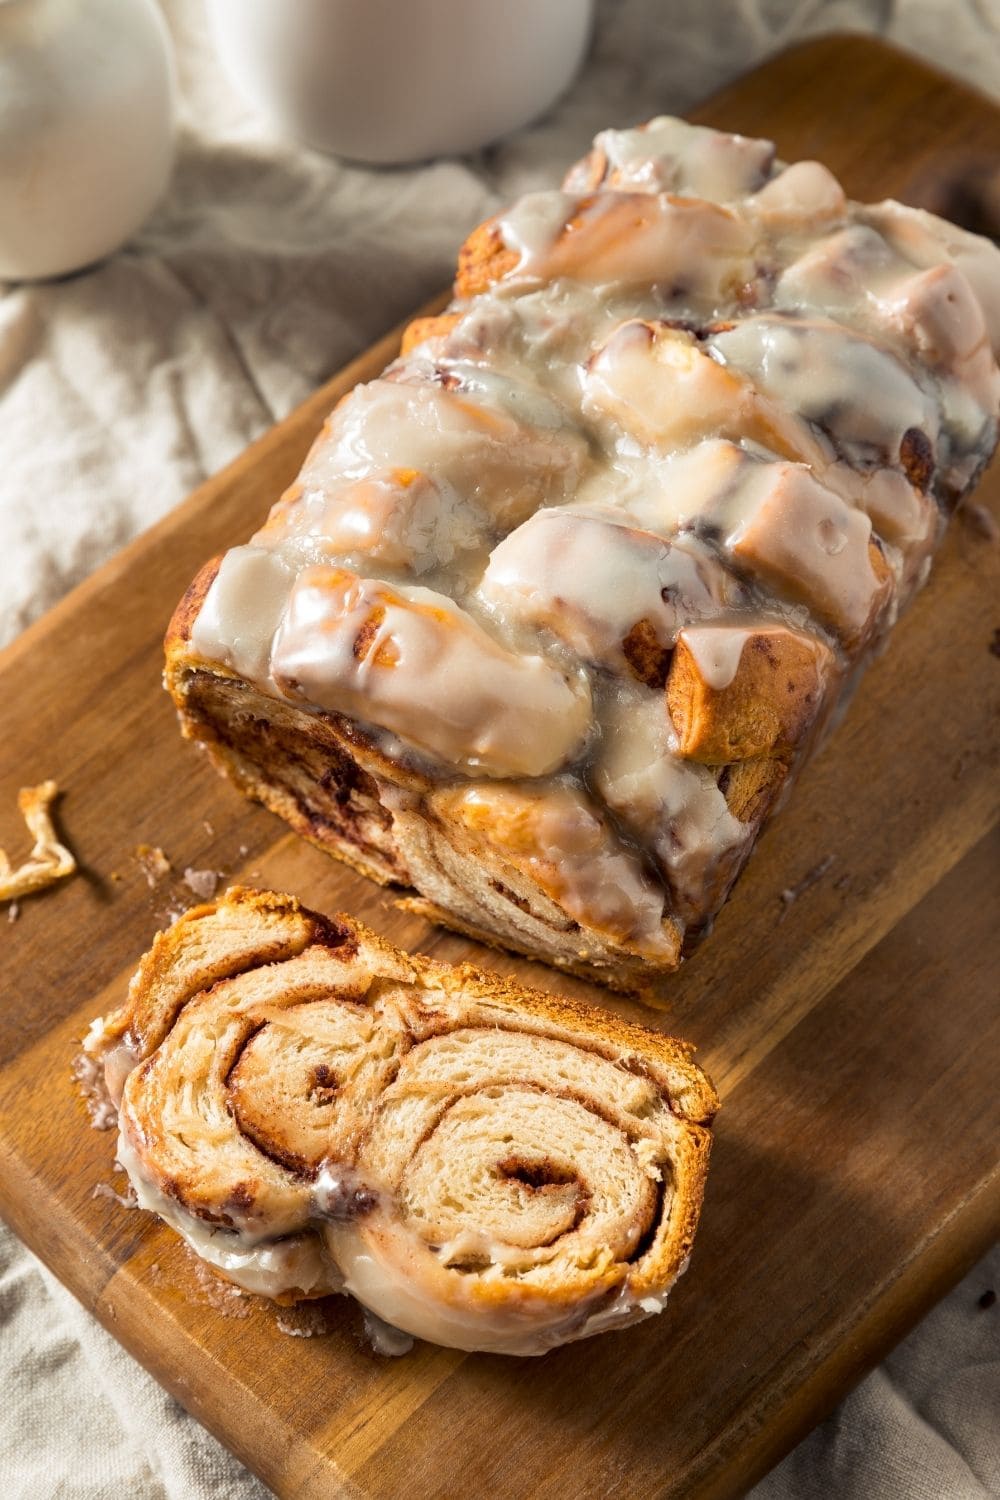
column 648, row 658
column 422, row 329
column 483, row 260
column 177, row 641
column 751, row 787
column 767, row 708
column 277, row 926
column 693, row 1097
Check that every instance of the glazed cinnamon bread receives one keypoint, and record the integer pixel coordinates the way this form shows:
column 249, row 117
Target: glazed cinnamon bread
column 480, row 1165
column 558, row 604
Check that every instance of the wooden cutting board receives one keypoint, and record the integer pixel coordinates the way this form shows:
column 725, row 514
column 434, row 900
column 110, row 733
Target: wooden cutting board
column 845, row 1004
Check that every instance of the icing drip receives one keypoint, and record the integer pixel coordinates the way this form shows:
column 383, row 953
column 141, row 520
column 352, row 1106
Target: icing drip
column 655, row 792
column 717, row 653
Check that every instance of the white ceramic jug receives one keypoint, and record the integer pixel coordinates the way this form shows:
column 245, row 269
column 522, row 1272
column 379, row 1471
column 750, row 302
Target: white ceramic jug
column 86, row 129
column 400, row 80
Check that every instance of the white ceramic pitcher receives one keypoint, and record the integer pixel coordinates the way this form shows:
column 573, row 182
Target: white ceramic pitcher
column 400, row 80
column 86, row 129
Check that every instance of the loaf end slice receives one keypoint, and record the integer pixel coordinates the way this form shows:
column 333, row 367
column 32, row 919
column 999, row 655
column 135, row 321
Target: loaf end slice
column 479, row 1164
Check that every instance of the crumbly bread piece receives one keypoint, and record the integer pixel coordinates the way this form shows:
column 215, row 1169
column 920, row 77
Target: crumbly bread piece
column 49, row 860
column 480, row 1165
column 560, row 603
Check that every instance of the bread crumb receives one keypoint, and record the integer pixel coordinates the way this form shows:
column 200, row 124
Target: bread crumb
column 13, row 911
column 645, row 1151
column 204, row 883
column 48, row 861
column 153, row 862
column 306, row 1320
column 126, row 1199
column 221, row 1295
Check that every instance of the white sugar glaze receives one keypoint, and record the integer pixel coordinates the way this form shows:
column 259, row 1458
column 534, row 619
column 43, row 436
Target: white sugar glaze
column 259, row 1263
column 429, row 672
column 817, row 370
column 373, row 1259
column 531, row 225
column 689, row 245
column 696, row 385
column 590, row 578
column 672, row 805
column 670, row 155
column 379, row 1268
column 242, row 611
column 717, row 653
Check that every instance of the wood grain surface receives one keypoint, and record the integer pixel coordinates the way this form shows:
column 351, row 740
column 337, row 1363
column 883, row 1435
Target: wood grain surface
column 853, row 1030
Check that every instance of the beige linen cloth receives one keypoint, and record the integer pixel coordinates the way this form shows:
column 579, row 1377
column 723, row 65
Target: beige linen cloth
column 265, row 269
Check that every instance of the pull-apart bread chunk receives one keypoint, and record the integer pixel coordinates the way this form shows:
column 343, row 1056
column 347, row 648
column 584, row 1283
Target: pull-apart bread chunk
column 480, row 1165
column 559, row 604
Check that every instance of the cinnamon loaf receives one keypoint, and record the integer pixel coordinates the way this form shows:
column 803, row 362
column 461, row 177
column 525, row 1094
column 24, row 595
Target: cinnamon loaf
column 558, row 604
column 480, row 1165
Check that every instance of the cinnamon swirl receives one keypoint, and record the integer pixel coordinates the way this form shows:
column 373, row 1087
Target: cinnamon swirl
column 482, row 1166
